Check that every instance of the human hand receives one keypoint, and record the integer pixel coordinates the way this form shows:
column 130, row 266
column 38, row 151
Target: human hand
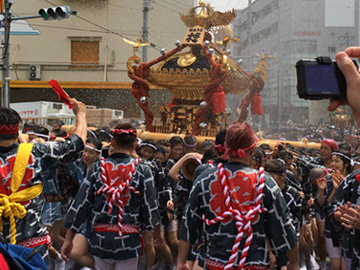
column 350, row 217
column 181, row 266
column 78, row 107
column 66, row 250
column 158, row 240
column 337, row 178
column 352, row 77
column 170, row 205
column 321, row 183
column 272, row 258
column 302, row 194
column 310, row 202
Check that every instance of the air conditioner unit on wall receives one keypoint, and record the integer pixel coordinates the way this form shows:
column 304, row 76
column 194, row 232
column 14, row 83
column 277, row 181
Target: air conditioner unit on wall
column 35, row 72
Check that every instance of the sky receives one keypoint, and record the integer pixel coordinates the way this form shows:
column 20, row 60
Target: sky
column 223, row 5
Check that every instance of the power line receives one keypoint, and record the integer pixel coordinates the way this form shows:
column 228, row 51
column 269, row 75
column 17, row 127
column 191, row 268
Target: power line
column 125, row 7
column 227, row 4
column 180, row 2
column 165, row 1
column 104, row 28
column 78, row 29
column 153, row 1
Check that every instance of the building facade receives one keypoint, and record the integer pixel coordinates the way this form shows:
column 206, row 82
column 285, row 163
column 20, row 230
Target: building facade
column 289, row 31
column 86, row 51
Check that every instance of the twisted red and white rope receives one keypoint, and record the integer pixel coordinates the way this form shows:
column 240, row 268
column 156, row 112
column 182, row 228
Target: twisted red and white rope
column 243, row 222
column 113, row 193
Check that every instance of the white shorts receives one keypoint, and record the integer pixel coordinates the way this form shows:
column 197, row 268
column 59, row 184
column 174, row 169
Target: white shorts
column 107, row 264
column 334, row 252
column 171, row 226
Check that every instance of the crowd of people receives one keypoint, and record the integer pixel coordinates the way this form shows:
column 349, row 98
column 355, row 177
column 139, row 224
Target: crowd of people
column 100, row 198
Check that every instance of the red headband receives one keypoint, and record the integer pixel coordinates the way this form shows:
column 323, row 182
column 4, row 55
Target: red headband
column 175, row 144
column 240, row 152
column 9, row 129
column 333, row 145
column 220, row 148
column 124, row 131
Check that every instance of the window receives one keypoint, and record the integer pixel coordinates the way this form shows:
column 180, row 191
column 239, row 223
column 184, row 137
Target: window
column 85, row 52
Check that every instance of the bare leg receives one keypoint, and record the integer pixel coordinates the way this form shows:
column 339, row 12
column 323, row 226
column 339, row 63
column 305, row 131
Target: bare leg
column 80, row 253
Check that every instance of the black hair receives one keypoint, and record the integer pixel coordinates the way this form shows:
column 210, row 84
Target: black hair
column 265, row 146
column 9, row 116
column 104, row 134
column 41, row 130
column 165, row 143
column 285, row 155
column 345, row 160
column 259, row 155
column 344, row 146
column 276, row 166
column 59, row 132
column 208, row 155
column 207, row 143
column 220, row 137
column 29, row 126
column 148, row 141
column 190, row 140
column 59, row 122
column 96, row 142
column 175, row 140
column 125, row 140
column 160, row 149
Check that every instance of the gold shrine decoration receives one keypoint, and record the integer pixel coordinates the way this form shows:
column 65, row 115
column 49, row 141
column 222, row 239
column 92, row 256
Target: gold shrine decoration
column 195, row 35
column 207, row 17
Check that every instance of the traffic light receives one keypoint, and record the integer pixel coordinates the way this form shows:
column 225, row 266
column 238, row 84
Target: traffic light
column 56, row 13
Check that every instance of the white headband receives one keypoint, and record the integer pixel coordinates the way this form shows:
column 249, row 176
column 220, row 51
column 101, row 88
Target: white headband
column 148, row 144
column 92, row 148
column 39, row 135
column 92, row 133
column 344, row 156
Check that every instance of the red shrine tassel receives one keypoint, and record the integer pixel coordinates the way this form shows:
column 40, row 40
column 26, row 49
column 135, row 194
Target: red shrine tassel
column 256, row 108
column 218, row 101
column 171, row 103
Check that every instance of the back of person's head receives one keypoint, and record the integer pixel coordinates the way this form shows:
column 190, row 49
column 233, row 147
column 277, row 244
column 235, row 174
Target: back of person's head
column 259, row 155
column 285, row 155
column 95, row 141
column 163, row 143
column 9, row 124
column 104, row 134
column 207, row 145
column 59, row 132
column 190, row 141
column 316, row 173
column 275, row 166
column 41, row 130
column 345, row 146
column 266, row 146
column 124, row 135
column 29, row 127
column 240, row 136
column 220, row 141
column 208, row 156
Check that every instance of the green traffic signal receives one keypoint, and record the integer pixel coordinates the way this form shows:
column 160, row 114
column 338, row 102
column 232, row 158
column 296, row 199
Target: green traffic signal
column 56, row 13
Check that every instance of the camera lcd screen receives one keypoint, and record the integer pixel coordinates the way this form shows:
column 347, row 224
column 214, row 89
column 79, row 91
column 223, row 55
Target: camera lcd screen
column 322, row 79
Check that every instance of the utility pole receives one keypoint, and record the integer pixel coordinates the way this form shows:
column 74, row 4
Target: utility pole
column 5, row 89
column 53, row 13
column 145, row 32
